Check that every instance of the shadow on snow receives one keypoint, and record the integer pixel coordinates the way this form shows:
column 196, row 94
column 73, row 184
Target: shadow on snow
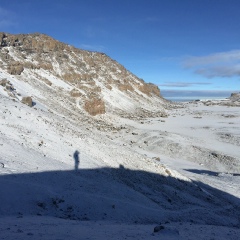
column 117, row 194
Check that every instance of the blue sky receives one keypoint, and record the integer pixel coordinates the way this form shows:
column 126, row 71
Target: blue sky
column 180, row 45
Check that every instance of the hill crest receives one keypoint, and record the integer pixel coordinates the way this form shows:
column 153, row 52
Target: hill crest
column 92, row 81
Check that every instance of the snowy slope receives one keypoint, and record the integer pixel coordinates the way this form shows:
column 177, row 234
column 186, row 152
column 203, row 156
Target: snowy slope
column 114, row 183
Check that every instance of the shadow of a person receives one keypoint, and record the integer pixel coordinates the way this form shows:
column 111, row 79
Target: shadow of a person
column 76, row 159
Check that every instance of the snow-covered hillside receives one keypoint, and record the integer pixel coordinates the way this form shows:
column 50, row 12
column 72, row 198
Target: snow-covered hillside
column 113, row 182
column 88, row 81
column 65, row 174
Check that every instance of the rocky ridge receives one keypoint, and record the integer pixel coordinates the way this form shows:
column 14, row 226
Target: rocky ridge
column 84, row 81
column 232, row 101
column 235, row 97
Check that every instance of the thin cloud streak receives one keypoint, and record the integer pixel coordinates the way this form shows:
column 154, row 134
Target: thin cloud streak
column 217, row 58
column 224, row 64
column 219, row 71
column 193, row 93
column 182, row 84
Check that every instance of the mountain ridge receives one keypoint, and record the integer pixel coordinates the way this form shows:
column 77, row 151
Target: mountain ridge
column 95, row 82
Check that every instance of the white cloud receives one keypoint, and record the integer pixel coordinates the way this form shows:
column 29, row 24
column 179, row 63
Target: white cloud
column 224, row 64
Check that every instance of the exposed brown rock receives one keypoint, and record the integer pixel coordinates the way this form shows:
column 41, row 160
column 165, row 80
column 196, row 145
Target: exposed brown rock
column 27, row 101
column 149, row 88
column 75, row 93
column 4, row 82
column 31, row 43
column 72, row 77
column 108, row 86
column 30, row 65
column 41, row 65
column 45, row 65
column 46, row 81
column 95, row 106
column 16, row 68
column 125, row 87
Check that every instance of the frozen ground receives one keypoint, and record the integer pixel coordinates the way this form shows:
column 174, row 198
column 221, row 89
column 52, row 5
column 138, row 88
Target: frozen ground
column 49, row 228
column 202, row 142
column 180, row 173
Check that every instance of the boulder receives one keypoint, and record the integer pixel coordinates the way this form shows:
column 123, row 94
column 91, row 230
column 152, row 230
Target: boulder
column 75, row 93
column 28, row 101
column 4, row 82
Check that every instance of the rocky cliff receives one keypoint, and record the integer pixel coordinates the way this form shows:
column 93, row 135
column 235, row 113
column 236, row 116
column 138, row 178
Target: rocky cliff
column 89, row 82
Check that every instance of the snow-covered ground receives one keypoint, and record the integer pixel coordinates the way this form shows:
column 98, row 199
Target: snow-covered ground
column 179, row 175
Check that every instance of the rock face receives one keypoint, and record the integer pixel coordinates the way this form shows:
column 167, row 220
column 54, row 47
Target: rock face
column 95, row 106
column 32, row 44
column 232, row 101
column 97, row 83
column 15, row 68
